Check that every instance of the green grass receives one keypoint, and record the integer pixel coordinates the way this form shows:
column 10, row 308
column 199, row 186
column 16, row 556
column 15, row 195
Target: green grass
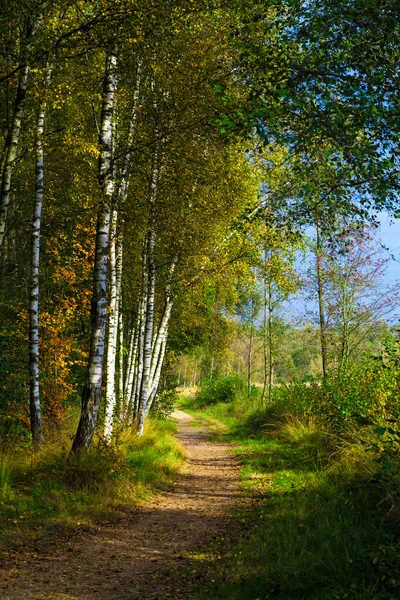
column 317, row 526
column 46, row 495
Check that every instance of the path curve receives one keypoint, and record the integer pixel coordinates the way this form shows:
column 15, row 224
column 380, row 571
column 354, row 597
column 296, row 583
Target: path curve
column 140, row 556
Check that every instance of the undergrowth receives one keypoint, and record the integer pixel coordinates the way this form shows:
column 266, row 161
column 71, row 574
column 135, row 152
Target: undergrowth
column 324, row 516
column 50, row 493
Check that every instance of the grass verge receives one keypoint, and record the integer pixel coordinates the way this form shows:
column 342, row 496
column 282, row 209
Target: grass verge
column 320, row 526
column 47, row 495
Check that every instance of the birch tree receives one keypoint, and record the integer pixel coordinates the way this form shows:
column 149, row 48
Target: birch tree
column 35, row 409
column 11, row 144
column 91, row 394
column 115, row 321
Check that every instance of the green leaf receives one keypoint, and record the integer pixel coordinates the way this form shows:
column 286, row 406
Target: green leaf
column 380, row 430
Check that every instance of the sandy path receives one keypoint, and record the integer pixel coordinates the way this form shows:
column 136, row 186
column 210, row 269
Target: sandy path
column 138, row 557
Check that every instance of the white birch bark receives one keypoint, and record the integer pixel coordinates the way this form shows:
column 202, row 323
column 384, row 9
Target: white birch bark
column 116, row 278
column 91, row 394
column 11, row 150
column 149, row 324
column 123, row 191
column 12, row 140
column 157, row 375
column 163, row 335
column 138, row 374
column 121, row 361
column 130, row 369
column 113, row 318
column 34, row 385
column 160, row 340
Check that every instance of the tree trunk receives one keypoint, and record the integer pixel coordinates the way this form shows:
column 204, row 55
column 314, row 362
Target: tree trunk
column 113, row 318
column 322, row 322
column 270, row 343
column 91, row 394
column 10, row 151
column 148, row 334
column 151, row 273
column 12, row 139
column 265, row 339
column 250, row 351
column 34, row 372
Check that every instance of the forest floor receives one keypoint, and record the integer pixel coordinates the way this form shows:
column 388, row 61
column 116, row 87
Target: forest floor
column 150, row 553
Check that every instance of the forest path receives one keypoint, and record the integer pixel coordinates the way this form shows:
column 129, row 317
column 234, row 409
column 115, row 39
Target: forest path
column 142, row 555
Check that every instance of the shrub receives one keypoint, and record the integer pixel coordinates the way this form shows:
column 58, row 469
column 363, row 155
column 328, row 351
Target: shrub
column 366, row 391
column 223, row 389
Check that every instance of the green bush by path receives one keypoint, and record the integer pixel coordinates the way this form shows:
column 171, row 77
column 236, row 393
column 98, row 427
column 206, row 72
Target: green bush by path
column 322, row 524
column 223, row 389
column 46, row 494
column 368, row 390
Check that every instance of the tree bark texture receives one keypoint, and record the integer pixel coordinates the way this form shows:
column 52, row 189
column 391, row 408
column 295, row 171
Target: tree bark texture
column 34, row 372
column 322, row 322
column 91, row 394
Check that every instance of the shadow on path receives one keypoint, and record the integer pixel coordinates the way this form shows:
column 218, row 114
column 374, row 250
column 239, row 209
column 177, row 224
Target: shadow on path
column 140, row 556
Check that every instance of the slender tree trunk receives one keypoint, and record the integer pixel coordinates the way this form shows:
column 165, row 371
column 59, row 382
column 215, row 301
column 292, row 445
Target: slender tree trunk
column 12, row 139
column 121, row 366
column 138, row 373
column 123, row 382
column 148, row 334
column 270, row 343
column 161, row 335
column 10, row 151
column 139, row 346
column 344, row 352
column 265, row 339
column 91, row 394
column 157, row 375
column 322, row 322
column 250, row 351
column 160, row 339
column 151, row 274
column 131, row 370
column 113, row 319
column 195, row 374
column 34, row 372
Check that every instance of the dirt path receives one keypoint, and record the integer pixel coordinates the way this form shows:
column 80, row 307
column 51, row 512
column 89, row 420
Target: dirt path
column 138, row 558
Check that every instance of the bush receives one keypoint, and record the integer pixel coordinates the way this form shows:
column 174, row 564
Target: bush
column 222, row 389
column 366, row 391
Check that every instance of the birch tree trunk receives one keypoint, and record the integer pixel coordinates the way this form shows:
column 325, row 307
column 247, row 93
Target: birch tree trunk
column 159, row 353
column 121, row 361
column 10, row 151
column 162, row 333
column 34, row 373
column 250, row 350
column 321, row 304
column 12, row 139
column 270, row 343
column 131, row 369
column 113, row 319
column 91, row 394
column 139, row 358
column 116, row 241
column 265, row 339
column 149, row 326
column 148, row 332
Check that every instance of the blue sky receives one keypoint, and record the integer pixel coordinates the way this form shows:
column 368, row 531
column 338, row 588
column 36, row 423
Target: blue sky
column 389, row 236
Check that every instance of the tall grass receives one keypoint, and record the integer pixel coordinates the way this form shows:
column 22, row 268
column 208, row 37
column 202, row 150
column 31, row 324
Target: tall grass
column 322, row 525
column 6, row 468
column 46, row 493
